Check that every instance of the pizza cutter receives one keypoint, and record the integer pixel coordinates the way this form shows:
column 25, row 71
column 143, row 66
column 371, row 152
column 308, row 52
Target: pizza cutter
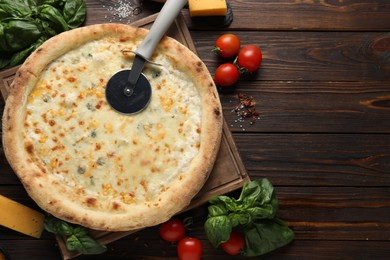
column 128, row 91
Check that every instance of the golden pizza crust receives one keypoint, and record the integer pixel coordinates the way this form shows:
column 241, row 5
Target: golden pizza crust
column 70, row 205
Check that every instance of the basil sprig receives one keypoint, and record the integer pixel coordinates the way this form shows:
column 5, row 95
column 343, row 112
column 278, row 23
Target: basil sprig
column 76, row 237
column 254, row 214
column 26, row 24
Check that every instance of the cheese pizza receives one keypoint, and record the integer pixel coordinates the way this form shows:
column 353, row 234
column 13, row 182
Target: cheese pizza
column 85, row 163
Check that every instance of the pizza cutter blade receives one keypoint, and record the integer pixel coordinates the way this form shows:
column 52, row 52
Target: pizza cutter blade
column 128, row 91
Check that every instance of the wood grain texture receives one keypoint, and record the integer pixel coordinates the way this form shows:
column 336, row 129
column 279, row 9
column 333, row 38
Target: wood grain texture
column 318, row 160
column 315, row 107
column 310, row 56
column 323, row 15
column 323, row 136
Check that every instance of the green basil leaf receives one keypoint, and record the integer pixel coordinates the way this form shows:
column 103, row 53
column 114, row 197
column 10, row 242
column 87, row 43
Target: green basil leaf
column 80, row 231
column 217, row 210
column 218, row 229
column 85, row 245
column 57, row 226
column 3, row 14
column 216, row 200
column 56, row 3
column 54, row 17
column 16, row 8
column 264, row 212
column 74, row 12
column 17, row 34
column 266, row 236
column 242, row 218
column 20, row 57
column 47, row 27
column 250, row 191
column 230, row 203
column 266, row 191
column 257, row 192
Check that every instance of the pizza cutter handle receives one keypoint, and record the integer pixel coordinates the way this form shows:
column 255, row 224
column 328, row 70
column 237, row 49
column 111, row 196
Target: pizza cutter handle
column 167, row 15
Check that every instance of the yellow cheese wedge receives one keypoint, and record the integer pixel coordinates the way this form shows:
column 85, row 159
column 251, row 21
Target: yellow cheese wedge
column 20, row 218
column 207, row 7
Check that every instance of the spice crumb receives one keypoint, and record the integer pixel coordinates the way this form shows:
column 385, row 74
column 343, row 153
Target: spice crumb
column 246, row 110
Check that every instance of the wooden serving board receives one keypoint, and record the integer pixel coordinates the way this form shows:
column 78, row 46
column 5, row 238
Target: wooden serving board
column 227, row 175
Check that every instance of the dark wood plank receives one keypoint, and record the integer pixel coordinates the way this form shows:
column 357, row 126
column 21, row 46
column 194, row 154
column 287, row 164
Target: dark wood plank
column 317, row 159
column 272, row 15
column 157, row 250
column 353, row 15
column 323, row 137
column 115, row 11
column 309, row 56
column 338, row 213
column 320, row 107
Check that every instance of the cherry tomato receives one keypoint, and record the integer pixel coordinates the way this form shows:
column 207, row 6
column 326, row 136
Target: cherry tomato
column 249, row 58
column 235, row 243
column 173, row 230
column 226, row 75
column 189, row 248
column 227, row 45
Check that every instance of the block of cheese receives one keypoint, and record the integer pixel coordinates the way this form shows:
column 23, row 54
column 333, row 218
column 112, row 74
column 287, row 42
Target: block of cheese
column 207, row 7
column 20, row 218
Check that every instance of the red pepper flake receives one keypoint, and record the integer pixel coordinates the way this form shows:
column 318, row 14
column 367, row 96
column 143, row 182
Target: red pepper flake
column 247, row 108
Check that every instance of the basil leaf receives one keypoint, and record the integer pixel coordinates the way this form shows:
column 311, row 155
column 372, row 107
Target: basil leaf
column 266, row 236
column 250, row 191
column 74, row 12
column 56, row 3
column 19, row 57
column 3, row 13
column 257, row 192
column 218, row 229
column 265, row 212
column 57, row 226
column 217, row 210
column 253, row 213
column 80, row 231
column 17, row 34
column 216, row 200
column 85, row 245
column 240, row 218
column 54, row 17
column 16, row 8
column 229, row 203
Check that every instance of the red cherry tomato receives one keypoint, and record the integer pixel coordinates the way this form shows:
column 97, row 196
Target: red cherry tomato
column 189, row 248
column 173, row 230
column 227, row 45
column 226, row 75
column 235, row 243
column 249, row 58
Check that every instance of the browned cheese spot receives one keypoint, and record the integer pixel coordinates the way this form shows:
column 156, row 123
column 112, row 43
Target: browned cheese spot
column 217, row 112
column 124, row 39
column 199, row 67
column 69, row 218
column 91, row 202
column 41, row 168
column 29, row 147
column 115, row 206
column 53, row 202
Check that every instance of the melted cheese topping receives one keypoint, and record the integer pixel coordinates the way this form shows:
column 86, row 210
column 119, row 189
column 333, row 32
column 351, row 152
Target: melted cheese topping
column 85, row 144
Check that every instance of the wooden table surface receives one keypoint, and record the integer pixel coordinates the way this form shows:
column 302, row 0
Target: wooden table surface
column 323, row 137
